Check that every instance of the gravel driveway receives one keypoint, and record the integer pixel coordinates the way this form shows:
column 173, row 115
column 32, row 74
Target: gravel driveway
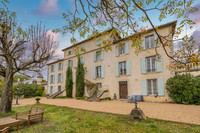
column 165, row 111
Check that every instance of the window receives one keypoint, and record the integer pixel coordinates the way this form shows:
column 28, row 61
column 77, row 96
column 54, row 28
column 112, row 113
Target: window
column 152, row 87
column 98, row 72
column 69, row 64
column 52, row 79
column 151, row 65
column 69, row 53
column 98, row 55
column 122, row 68
column 149, row 41
column 122, row 50
column 52, row 68
column 99, row 85
column 59, row 88
column 59, row 77
column 60, row 66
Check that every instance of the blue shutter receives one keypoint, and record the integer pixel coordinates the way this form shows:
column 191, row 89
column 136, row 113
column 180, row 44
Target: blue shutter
column 159, row 63
column 98, row 42
column 117, row 51
column 94, row 73
column 102, row 55
column 143, row 43
column 82, row 59
column 57, row 77
column 144, row 87
column 58, row 66
column 128, row 65
column 53, row 68
column 143, row 66
column 117, row 69
column 127, row 48
column 61, row 77
column 161, row 88
column 102, row 71
column 53, row 78
column 61, row 66
column 67, row 64
column 94, row 56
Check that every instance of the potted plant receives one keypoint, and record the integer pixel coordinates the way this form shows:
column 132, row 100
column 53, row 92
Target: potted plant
column 97, row 98
column 86, row 97
column 115, row 96
column 37, row 100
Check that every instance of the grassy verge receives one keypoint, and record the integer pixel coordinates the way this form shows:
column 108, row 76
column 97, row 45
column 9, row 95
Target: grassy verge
column 65, row 120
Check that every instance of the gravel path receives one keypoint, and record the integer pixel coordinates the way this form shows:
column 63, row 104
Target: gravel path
column 165, row 111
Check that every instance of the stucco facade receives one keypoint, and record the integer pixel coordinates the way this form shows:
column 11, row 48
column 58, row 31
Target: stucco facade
column 136, row 77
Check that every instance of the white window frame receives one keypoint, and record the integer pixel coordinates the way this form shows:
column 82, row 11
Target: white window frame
column 124, row 68
column 151, row 64
column 150, row 45
column 98, row 72
column 153, row 88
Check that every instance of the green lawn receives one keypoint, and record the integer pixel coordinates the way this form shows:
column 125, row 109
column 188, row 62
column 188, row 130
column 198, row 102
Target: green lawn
column 62, row 119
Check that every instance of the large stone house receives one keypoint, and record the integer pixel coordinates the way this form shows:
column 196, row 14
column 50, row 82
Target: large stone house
column 119, row 70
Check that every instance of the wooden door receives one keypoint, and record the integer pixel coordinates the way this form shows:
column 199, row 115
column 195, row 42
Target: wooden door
column 123, row 89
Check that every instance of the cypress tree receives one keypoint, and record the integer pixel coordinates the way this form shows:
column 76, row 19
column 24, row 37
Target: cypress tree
column 80, row 85
column 69, row 82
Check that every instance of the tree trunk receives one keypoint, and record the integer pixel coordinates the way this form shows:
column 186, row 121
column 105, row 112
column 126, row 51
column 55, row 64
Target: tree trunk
column 7, row 95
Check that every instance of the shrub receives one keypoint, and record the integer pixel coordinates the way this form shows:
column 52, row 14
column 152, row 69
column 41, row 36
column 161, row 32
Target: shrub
column 184, row 89
column 39, row 91
column 69, row 82
column 80, row 85
column 62, row 97
column 106, row 98
column 80, row 97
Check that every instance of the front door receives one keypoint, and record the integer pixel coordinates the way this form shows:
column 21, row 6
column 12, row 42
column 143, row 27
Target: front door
column 123, row 89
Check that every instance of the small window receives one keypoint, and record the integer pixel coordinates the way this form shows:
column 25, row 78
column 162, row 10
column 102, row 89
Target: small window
column 52, row 79
column 98, row 55
column 98, row 72
column 149, row 42
column 59, row 88
column 152, row 87
column 99, row 85
column 151, row 64
column 122, row 68
column 122, row 49
column 69, row 53
column 52, row 68
column 60, row 66
column 59, row 77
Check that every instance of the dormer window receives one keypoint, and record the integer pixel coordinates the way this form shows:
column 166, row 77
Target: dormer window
column 69, row 53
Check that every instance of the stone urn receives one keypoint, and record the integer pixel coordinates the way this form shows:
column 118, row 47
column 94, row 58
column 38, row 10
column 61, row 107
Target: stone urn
column 37, row 100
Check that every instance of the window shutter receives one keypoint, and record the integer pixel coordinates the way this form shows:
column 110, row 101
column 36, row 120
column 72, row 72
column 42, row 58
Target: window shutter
column 143, row 43
column 61, row 77
column 159, row 63
column 57, row 77
column 144, row 87
column 102, row 55
column 58, row 66
column 67, row 64
column 54, row 68
column 102, row 71
column 94, row 73
column 161, row 89
column 127, row 48
column 94, row 56
column 143, row 66
column 117, row 51
column 98, row 42
column 61, row 66
column 155, row 38
column 128, row 65
column 53, row 78
column 82, row 59
column 116, row 69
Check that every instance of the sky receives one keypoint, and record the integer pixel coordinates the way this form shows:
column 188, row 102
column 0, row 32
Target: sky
column 49, row 12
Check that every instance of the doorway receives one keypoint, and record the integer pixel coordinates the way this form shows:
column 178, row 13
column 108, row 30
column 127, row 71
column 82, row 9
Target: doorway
column 123, row 89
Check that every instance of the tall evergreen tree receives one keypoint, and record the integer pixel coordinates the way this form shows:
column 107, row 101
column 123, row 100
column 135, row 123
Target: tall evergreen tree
column 80, row 86
column 69, row 82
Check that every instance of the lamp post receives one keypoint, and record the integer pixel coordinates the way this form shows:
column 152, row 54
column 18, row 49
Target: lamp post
column 17, row 92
